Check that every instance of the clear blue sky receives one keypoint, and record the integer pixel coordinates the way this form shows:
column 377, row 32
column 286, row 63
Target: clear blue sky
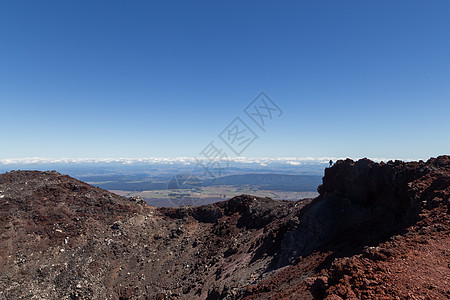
column 140, row 79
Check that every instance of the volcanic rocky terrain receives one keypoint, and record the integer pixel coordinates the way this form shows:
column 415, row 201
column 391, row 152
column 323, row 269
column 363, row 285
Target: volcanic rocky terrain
column 377, row 231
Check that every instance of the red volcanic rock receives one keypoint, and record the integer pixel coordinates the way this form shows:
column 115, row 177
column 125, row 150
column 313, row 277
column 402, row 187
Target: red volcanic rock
column 377, row 231
column 63, row 239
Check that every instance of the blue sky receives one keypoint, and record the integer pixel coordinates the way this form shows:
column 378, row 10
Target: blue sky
column 164, row 78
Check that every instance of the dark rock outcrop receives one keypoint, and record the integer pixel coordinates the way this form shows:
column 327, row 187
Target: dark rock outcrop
column 369, row 218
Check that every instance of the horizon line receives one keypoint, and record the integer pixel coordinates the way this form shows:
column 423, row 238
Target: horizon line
column 188, row 160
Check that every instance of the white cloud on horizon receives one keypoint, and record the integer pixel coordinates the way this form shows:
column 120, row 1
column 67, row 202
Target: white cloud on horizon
column 294, row 161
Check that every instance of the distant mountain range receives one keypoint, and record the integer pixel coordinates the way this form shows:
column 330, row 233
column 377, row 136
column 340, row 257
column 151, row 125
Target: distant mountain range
column 297, row 183
column 285, row 174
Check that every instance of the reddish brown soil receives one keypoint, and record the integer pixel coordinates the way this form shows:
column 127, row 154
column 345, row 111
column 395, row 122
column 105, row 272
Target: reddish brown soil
column 377, row 231
column 413, row 263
